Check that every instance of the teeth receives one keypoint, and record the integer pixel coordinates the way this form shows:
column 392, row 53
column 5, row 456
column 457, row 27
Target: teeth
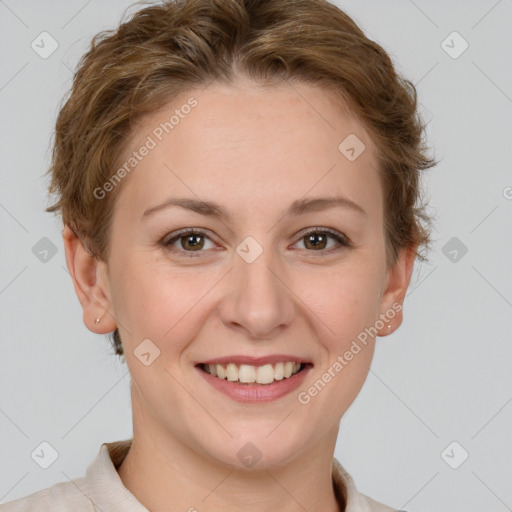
column 232, row 372
column 247, row 373
column 279, row 371
column 265, row 374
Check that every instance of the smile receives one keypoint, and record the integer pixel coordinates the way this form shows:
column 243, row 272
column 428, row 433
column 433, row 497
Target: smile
column 266, row 380
column 249, row 374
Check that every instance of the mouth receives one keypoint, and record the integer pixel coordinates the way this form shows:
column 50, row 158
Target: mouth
column 250, row 379
column 252, row 375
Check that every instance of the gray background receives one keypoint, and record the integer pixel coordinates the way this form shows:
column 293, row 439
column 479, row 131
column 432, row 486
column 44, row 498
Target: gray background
column 444, row 376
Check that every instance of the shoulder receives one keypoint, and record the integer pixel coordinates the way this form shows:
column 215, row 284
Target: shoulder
column 354, row 500
column 375, row 506
column 60, row 497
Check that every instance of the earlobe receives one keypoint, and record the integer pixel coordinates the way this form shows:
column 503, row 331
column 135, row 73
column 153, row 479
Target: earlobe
column 90, row 284
column 399, row 277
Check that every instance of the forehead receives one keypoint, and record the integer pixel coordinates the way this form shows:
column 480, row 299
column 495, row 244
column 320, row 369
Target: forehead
column 243, row 142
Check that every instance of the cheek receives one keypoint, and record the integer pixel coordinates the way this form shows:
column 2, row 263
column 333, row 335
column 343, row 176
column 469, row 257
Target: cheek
column 153, row 300
column 347, row 309
column 345, row 299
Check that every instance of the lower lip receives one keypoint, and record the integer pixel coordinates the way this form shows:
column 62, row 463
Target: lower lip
column 255, row 393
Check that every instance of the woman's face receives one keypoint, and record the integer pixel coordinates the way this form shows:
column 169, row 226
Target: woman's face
column 249, row 282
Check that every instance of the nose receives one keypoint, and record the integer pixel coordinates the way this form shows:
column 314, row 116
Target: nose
column 258, row 300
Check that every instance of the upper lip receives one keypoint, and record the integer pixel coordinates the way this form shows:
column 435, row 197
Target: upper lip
column 256, row 361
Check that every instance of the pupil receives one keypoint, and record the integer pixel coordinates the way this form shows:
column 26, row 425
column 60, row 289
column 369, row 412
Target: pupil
column 313, row 236
column 192, row 238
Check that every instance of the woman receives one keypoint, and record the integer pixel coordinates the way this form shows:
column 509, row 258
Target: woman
column 239, row 185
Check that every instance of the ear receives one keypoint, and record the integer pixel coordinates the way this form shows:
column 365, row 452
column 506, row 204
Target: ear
column 397, row 283
column 91, row 284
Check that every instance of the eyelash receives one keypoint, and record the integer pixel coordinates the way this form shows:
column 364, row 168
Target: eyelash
column 342, row 240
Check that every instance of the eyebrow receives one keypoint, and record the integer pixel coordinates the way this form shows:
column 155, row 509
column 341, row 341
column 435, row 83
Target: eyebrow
column 298, row 207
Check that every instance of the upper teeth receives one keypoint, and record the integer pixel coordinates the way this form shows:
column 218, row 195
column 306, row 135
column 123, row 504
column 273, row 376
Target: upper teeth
column 247, row 373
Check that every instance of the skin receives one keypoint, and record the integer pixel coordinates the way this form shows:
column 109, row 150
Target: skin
column 254, row 150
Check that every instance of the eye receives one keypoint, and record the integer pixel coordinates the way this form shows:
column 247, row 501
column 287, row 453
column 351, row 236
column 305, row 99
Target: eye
column 316, row 239
column 188, row 241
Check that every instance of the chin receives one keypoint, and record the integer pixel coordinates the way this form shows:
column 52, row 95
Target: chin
column 257, row 451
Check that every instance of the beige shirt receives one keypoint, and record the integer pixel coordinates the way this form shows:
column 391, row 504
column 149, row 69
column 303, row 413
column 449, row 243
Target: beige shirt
column 102, row 490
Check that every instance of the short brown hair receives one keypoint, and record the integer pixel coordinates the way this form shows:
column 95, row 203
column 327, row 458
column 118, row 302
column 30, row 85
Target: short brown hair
column 165, row 49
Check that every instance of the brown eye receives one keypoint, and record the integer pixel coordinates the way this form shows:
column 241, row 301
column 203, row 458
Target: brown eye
column 188, row 241
column 192, row 242
column 317, row 240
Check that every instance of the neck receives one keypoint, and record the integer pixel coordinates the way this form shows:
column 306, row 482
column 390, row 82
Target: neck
column 160, row 470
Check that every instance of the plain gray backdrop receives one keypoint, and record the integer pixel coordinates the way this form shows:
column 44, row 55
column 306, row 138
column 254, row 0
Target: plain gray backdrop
column 440, row 388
